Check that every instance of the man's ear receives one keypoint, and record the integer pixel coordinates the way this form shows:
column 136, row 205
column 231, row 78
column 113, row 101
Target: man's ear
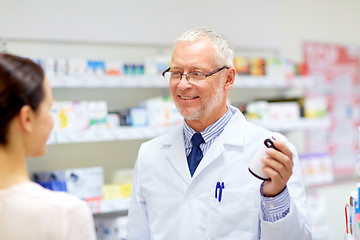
column 26, row 116
column 230, row 78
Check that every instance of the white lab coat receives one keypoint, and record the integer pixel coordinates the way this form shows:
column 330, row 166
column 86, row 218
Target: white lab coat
column 167, row 204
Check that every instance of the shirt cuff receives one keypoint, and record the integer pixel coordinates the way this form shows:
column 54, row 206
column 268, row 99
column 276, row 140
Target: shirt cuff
column 275, row 208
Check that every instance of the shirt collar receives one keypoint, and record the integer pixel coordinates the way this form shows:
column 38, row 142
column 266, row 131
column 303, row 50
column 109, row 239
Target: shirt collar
column 211, row 131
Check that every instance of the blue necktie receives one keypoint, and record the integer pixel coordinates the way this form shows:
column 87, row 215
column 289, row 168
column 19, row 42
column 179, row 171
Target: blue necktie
column 196, row 154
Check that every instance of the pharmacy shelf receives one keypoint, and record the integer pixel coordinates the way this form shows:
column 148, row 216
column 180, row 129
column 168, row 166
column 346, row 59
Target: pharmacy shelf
column 112, row 207
column 156, row 81
column 271, row 82
column 87, row 81
column 96, row 135
column 301, row 124
column 135, row 133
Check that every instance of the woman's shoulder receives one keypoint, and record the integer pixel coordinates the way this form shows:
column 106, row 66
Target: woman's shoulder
column 54, row 213
column 38, row 195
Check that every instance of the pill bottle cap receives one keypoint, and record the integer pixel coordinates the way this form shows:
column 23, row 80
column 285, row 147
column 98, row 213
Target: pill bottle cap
column 279, row 136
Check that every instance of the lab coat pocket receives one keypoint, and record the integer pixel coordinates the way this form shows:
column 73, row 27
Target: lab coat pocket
column 233, row 216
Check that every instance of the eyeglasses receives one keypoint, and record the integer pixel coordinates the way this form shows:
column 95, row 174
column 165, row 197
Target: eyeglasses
column 192, row 77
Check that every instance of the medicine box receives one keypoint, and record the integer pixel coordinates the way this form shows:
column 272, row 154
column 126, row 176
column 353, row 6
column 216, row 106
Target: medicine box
column 83, row 183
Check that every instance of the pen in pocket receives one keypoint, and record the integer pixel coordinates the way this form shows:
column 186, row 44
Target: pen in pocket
column 219, row 187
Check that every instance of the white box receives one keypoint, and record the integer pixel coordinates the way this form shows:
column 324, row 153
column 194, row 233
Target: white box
column 284, row 111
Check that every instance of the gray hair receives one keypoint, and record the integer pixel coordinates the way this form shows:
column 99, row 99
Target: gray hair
column 225, row 54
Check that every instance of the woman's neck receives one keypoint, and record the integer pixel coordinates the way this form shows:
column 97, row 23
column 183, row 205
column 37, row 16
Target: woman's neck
column 13, row 167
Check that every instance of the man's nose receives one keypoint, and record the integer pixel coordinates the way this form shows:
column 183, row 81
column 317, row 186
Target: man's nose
column 184, row 82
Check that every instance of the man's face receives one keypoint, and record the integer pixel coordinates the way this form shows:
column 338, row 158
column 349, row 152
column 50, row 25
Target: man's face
column 204, row 100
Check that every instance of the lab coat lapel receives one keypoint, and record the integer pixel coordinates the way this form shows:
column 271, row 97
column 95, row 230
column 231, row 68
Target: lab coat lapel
column 176, row 154
column 233, row 135
column 217, row 148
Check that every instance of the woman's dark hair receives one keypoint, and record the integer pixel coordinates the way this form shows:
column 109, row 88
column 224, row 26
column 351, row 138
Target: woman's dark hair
column 20, row 84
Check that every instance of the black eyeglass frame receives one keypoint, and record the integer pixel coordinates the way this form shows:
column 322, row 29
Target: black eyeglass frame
column 186, row 74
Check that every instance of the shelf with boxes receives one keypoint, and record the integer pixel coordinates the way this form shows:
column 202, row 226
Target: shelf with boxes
column 156, row 81
column 91, row 72
column 116, row 134
column 88, row 184
column 90, row 121
column 300, row 124
column 85, row 74
column 131, row 133
column 252, row 72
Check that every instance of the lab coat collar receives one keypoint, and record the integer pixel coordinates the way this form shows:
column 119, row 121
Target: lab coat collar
column 235, row 131
column 232, row 136
column 174, row 143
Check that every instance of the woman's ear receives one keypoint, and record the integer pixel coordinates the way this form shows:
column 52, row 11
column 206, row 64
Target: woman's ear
column 26, row 116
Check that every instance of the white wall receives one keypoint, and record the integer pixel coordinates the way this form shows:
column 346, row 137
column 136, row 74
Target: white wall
column 277, row 24
column 155, row 22
column 329, row 21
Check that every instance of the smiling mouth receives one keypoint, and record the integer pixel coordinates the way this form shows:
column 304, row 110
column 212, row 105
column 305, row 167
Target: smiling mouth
column 188, row 98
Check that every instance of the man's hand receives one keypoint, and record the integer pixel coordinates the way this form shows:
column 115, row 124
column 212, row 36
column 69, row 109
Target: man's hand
column 278, row 165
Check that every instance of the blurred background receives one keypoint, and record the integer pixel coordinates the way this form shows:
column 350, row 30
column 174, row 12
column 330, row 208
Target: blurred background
column 297, row 68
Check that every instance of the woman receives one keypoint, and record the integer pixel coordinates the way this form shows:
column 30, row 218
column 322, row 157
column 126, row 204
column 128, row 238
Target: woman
column 28, row 211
